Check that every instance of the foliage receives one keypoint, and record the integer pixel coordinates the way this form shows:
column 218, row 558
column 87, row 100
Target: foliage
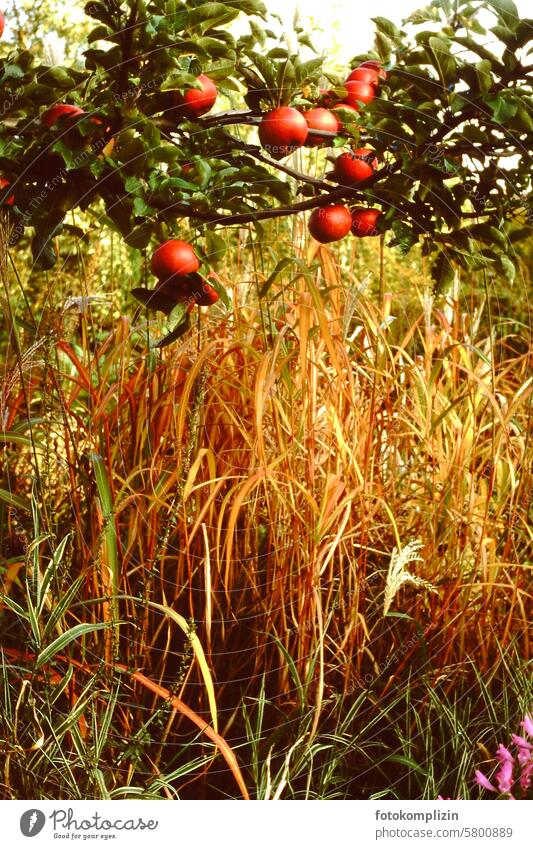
column 442, row 127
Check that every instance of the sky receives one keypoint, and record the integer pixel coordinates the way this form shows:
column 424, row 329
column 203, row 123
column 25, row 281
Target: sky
column 345, row 28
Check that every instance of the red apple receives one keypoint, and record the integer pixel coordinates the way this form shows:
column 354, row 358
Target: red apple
column 2, row 23
column 195, row 101
column 320, row 119
column 206, row 296
column 282, row 130
column 376, row 66
column 188, row 289
column 61, row 110
column 355, row 166
column 359, row 92
column 3, row 184
column 177, row 287
column 173, row 257
column 330, row 223
column 364, row 221
column 365, row 75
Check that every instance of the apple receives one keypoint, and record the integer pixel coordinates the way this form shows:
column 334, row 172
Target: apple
column 376, row 66
column 188, row 289
column 178, row 287
column 359, row 92
column 364, row 221
column 282, row 130
column 195, row 101
column 2, row 23
column 330, row 223
column 355, row 166
column 206, row 296
column 173, row 257
column 320, row 119
column 3, row 184
column 365, row 75
column 61, row 110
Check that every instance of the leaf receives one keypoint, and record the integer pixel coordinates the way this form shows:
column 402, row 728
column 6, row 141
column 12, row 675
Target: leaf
column 503, row 107
column 441, row 272
column 154, row 299
column 65, row 639
column 15, row 500
column 383, row 25
column 443, row 61
column 215, row 13
column 43, row 252
column 199, row 653
column 100, row 32
column 178, row 331
column 483, row 70
column 383, row 47
column 506, row 267
column 140, row 236
column 110, row 557
column 215, row 246
column 282, row 264
column 506, row 11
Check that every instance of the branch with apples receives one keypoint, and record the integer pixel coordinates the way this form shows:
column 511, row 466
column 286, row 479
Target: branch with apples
column 425, row 138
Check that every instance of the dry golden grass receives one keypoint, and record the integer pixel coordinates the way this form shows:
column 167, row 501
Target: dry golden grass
column 256, row 478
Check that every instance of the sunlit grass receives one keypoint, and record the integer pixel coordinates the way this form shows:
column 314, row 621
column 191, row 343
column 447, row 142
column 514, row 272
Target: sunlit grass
column 225, row 511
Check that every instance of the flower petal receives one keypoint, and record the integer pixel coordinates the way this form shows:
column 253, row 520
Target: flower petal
column 484, row 782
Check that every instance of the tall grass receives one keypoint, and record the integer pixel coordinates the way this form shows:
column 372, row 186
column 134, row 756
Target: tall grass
column 197, row 541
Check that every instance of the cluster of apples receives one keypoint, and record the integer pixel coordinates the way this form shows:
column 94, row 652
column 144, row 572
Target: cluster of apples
column 175, row 265
column 284, row 129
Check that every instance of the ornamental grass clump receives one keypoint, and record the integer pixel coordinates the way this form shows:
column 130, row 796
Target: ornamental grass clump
column 513, row 778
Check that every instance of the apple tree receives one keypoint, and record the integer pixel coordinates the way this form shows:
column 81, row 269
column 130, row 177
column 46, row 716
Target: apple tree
column 429, row 132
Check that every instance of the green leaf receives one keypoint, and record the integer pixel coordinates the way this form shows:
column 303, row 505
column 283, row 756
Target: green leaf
column 215, row 246
column 441, row 272
column 483, row 70
column 443, row 61
column 154, row 299
column 178, row 331
column 99, row 12
column 56, row 77
column 65, row 639
column 281, row 266
column 383, row 47
column 109, row 530
column 383, row 25
column 506, row 11
column 506, row 267
column 503, row 107
column 215, row 13
column 43, row 252
column 100, row 32
column 15, row 500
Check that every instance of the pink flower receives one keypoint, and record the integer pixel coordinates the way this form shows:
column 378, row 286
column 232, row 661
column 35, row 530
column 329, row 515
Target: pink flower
column 484, row 782
column 504, row 777
column 524, row 749
column 504, row 755
column 527, row 725
column 525, row 778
